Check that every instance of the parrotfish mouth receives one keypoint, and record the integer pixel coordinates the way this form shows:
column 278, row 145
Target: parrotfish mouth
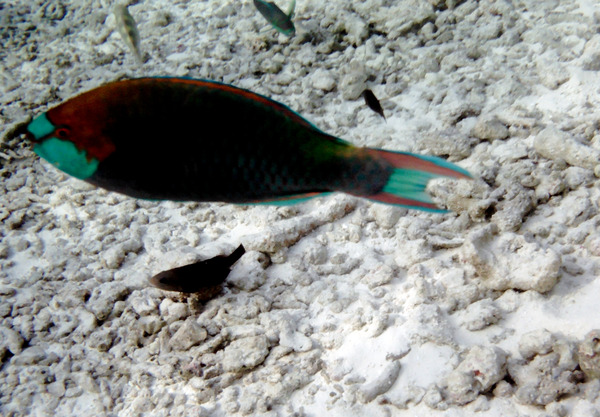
column 19, row 129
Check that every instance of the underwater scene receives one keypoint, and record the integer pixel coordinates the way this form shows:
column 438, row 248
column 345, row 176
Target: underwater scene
column 300, row 208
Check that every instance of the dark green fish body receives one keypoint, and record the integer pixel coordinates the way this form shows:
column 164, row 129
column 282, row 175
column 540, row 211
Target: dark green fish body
column 195, row 140
column 281, row 21
column 200, row 276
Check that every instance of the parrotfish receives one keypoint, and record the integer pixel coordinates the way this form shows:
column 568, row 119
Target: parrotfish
column 182, row 139
column 200, row 276
column 372, row 102
column 276, row 17
column 128, row 30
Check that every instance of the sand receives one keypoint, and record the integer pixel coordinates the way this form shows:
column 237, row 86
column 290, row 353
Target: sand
column 341, row 306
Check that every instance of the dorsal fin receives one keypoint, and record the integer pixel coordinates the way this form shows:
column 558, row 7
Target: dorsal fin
column 240, row 92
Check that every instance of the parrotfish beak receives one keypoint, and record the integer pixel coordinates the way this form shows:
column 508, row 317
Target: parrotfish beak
column 63, row 154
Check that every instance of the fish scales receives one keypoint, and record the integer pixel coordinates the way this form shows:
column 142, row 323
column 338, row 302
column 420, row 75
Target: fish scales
column 205, row 144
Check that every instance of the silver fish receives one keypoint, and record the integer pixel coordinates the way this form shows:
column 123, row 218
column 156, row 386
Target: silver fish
column 128, row 30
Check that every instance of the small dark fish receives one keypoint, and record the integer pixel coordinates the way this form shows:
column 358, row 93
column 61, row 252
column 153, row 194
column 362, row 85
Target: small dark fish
column 199, row 276
column 372, row 102
column 276, row 17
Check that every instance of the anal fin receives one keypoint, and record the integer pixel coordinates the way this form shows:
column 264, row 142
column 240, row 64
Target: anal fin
column 288, row 200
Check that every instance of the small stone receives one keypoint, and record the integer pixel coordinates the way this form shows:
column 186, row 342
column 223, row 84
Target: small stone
column 576, row 176
column 104, row 297
column 433, row 399
column 551, row 71
column 295, row 340
column 545, row 378
column 591, row 54
column 11, row 340
column 323, row 80
column 386, row 216
column 382, row 275
column 536, row 342
column 353, row 83
column 481, row 368
column 172, row 311
column 188, row 335
column 592, row 243
column 510, row 262
column 150, row 324
column 556, row 144
column 503, row 389
column 589, row 354
column 450, row 143
column 101, row 339
column 57, row 389
column 357, row 29
column 30, row 356
column 142, row 304
column 113, row 257
column 246, row 353
column 489, row 129
column 480, row 314
column 316, row 255
column 248, row 273
column 557, row 410
column 381, row 384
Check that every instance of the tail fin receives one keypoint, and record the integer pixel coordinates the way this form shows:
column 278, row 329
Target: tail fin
column 236, row 254
column 406, row 186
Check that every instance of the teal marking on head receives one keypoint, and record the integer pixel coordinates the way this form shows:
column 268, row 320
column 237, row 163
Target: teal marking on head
column 65, row 156
column 40, row 127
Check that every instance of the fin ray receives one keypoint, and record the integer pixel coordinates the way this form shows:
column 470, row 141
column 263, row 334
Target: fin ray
column 407, row 183
column 289, row 199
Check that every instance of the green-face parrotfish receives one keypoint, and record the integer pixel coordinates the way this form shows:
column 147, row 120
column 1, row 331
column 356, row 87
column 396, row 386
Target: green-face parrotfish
column 196, row 140
column 200, row 276
column 276, row 17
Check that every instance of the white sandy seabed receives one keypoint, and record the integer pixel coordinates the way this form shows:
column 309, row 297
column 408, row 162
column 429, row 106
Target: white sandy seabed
column 340, row 307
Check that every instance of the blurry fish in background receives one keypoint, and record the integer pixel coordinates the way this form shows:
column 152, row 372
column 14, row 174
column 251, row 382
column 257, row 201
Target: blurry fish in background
column 200, row 277
column 127, row 29
column 276, row 17
column 372, row 102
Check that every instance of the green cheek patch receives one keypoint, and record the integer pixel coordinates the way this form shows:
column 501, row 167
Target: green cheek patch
column 65, row 156
column 40, row 126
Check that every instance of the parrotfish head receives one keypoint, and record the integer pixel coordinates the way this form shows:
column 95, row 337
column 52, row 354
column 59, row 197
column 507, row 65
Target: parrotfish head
column 71, row 140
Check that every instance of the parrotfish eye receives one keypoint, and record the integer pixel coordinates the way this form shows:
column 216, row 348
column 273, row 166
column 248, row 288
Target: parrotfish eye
column 62, row 132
